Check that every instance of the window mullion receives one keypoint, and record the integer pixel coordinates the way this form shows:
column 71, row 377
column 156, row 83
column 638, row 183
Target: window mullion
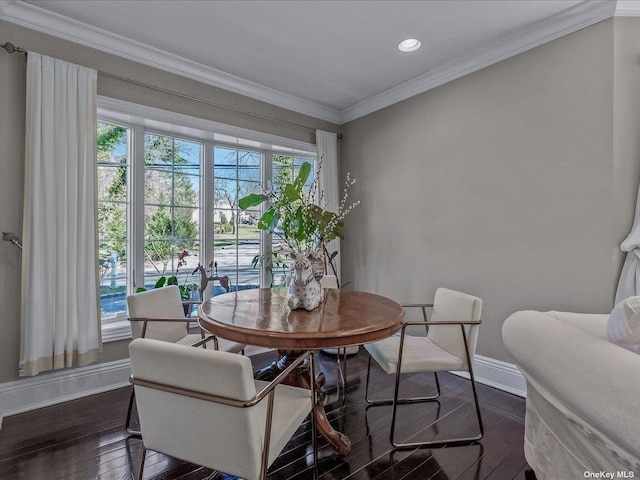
column 136, row 207
column 207, row 203
column 266, row 239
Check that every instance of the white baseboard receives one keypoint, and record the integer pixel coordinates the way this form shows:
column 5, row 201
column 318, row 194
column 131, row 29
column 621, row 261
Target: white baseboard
column 49, row 389
column 498, row 374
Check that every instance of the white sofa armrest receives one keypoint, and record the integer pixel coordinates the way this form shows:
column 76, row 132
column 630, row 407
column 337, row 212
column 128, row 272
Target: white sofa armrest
column 581, row 374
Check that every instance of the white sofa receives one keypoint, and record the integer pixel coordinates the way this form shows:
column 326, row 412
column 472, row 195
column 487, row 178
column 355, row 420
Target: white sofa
column 583, row 395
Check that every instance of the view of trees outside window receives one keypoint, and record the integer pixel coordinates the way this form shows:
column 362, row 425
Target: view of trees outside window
column 169, row 223
column 113, row 170
column 286, row 169
column 171, row 210
column 236, row 172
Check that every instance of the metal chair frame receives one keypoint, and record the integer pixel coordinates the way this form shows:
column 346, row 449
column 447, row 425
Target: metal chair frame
column 267, row 392
column 395, row 401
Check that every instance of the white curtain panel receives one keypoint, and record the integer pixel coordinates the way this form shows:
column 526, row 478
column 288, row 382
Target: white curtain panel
column 629, row 283
column 327, row 151
column 60, row 309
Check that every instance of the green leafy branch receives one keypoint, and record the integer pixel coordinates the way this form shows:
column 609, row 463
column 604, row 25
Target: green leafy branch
column 304, row 224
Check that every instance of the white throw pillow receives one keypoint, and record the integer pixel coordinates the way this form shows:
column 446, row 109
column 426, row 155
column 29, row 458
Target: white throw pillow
column 623, row 327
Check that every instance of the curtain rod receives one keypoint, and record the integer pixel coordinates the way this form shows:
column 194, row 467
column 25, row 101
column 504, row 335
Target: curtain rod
column 10, row 48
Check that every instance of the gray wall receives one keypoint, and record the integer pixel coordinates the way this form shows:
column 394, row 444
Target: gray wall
column 499, row 184
column 12, row 101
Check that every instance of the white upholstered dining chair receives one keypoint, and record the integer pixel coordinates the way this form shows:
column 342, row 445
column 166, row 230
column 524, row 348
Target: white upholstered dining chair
column 159, row 314
column 204, row 407
column 446, row 342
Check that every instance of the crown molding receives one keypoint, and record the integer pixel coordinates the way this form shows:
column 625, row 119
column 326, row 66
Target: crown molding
column 41, row 20
column 551, row 28
column 627, row 8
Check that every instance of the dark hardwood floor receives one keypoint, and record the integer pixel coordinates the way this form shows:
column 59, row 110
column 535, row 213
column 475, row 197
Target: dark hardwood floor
column 85, row 439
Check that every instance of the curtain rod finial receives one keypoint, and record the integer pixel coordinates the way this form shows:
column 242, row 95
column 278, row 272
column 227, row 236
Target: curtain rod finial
column 11, row 237
column 11, row 48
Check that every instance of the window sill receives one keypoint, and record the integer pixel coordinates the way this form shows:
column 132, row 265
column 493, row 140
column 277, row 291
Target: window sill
column 115, row 331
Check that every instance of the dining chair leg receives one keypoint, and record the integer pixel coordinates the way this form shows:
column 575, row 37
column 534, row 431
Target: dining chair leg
column 366, row 385
column 341, row 360
column 127, row 424
column 344, row 363
column 435, row 374
column 143, row 454
column 314, row 425
column 475, row 398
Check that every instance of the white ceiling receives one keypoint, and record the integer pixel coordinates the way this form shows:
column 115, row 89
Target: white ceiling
column 336, row 60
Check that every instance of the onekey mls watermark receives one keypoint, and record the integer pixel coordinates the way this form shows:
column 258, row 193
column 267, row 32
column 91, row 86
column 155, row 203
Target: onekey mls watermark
column 610, row 475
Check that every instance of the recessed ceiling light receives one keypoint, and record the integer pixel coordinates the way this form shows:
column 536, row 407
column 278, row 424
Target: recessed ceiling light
column 409, row 45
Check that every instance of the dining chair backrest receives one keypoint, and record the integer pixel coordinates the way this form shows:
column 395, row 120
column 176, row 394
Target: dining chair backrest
column 162, row 302
column 453, row 305
column 201, row 431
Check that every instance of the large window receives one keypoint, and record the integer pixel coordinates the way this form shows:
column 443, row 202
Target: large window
column 168, row 207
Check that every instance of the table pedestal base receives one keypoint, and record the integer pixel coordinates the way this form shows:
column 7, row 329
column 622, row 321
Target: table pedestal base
column 301, row 377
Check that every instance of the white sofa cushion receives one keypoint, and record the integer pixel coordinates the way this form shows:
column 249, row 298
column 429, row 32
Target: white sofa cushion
column 623, row 327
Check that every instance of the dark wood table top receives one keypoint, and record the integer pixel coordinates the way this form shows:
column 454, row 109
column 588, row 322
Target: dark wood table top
column 261, row 317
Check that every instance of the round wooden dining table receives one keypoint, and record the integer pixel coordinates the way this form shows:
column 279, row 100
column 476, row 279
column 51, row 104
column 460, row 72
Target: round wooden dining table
column 261, row 317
